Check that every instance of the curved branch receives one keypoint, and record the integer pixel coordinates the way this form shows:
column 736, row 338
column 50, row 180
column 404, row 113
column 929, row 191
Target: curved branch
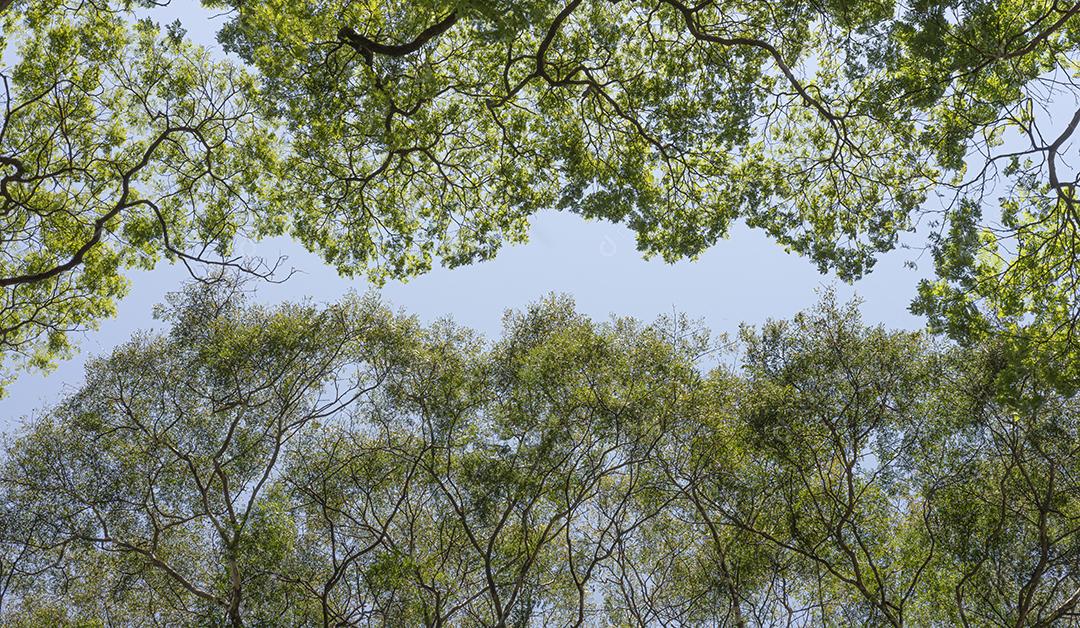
column 369, row 47
column 99, row 225
column 1052, row 150
column 695, row 31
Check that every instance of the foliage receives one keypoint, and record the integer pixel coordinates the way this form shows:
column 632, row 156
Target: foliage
column 120, row 143
column 836, row 127
column 391, row 135
column 344, row 465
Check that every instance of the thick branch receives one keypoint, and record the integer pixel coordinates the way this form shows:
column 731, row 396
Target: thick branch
column 369, row 48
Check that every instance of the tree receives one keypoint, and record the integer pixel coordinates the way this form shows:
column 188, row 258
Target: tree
column 388, row 135
column 1001, row 466
column 834, row 126
column 830, row 410
column 301, row 465
column 120, row 143
column 155, row 489
column 450, row 124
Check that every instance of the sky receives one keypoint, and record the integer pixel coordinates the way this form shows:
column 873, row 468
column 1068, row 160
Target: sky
column 747, row 278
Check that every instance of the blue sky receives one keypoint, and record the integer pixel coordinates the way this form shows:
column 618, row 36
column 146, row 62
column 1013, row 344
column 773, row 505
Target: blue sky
column 747, row 278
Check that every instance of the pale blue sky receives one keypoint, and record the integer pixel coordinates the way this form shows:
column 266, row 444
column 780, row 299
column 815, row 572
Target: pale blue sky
column 747, row 278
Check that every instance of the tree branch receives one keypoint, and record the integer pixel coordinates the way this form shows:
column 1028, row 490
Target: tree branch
column 369, row 48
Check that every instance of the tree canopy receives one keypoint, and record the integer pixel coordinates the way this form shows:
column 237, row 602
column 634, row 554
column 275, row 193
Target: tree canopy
column 388, row 135
column 120, row 144
column 344, row 465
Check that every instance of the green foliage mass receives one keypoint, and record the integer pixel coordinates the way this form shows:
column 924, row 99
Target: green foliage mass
column 344, row 465
column 388, row 136
column 121, row 144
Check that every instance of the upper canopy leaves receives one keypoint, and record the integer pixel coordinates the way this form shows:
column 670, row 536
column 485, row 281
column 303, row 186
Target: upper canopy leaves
column 388, row 135
column 120, row 144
